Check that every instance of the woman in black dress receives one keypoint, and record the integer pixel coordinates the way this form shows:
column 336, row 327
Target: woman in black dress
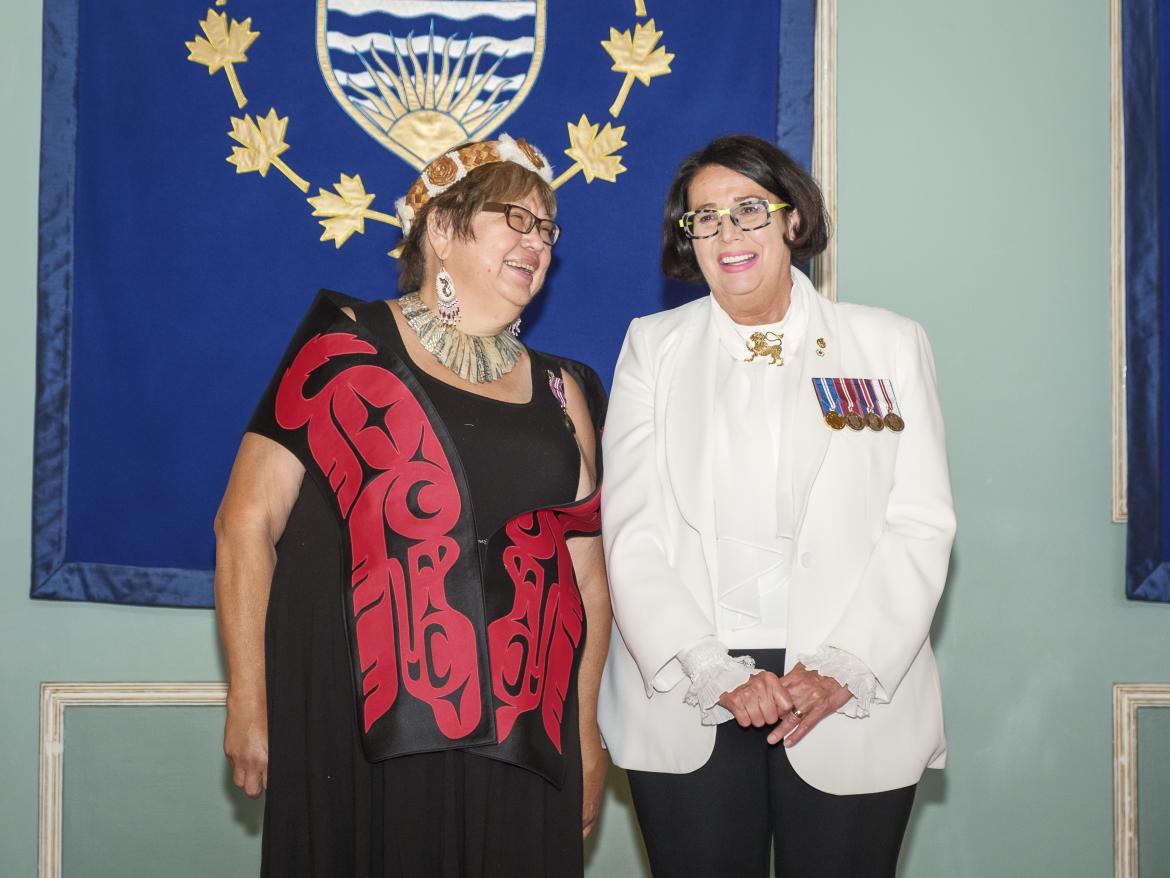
column 409, row 580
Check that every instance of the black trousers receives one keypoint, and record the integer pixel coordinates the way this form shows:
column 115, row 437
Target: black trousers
column 722, row 819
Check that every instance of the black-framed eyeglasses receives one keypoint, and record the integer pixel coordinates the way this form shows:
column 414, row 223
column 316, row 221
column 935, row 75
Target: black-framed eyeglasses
column 753, row 213
column 523, row 220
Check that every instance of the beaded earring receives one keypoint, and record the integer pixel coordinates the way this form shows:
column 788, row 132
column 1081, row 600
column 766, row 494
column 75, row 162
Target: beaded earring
column 448, row 302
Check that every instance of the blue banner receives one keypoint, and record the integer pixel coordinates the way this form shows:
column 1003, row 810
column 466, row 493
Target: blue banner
column 206, row 170
column 1146, row 87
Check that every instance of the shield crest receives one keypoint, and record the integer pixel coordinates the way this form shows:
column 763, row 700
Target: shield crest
column 423, row 76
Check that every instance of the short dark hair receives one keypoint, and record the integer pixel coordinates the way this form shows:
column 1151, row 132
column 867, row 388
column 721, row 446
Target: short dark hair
column 763, row 163
column 497, row 181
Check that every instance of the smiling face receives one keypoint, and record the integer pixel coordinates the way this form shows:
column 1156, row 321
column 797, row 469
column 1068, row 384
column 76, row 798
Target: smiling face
column 498, row 270
column 749, row 273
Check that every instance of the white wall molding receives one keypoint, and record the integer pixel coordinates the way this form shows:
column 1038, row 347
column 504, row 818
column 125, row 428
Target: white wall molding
column 1128, row 699
column 825, row 139
column 1117, row 263
column 56, row 698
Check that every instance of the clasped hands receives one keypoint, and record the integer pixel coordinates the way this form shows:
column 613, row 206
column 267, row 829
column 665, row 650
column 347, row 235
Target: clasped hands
column 795, row 703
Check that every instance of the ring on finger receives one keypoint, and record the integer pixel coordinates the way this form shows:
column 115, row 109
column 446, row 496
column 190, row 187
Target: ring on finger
column 797, row 712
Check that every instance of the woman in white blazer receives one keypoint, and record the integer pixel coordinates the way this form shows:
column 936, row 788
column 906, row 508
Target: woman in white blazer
column 777, row 527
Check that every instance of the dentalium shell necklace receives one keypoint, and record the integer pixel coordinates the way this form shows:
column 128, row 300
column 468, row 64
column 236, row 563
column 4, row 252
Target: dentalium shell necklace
column 475, row 358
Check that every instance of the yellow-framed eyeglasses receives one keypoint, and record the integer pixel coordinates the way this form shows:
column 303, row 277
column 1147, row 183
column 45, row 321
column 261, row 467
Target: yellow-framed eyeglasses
column 754, row 213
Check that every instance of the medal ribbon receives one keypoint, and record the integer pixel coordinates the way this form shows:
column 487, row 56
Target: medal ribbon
column 877, row 404
column 843, row 391
column 557, row 385
column 856, row 392
column 824, row 395
column 870, row 398
column 887, row 387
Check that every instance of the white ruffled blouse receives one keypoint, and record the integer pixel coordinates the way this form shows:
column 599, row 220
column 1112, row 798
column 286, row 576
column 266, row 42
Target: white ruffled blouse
column 754, row 526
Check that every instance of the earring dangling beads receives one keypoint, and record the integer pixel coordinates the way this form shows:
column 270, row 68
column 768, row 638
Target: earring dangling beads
column 448, row 302
column 514, row 328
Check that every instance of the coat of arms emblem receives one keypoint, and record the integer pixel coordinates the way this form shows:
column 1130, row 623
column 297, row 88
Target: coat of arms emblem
column 423, row 76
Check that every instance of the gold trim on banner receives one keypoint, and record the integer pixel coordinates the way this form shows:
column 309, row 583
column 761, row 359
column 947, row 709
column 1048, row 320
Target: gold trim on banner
column 638, row 56
column 222, row 46
column 592, row 152
column 261, row 141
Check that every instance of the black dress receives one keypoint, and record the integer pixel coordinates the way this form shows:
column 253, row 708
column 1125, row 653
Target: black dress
column 451, row 813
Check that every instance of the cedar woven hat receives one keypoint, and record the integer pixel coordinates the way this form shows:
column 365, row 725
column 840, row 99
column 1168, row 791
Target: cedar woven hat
column 452, row 166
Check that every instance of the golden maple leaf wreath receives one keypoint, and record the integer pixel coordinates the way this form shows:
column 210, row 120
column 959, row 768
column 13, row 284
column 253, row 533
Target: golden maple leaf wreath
column 225, row 43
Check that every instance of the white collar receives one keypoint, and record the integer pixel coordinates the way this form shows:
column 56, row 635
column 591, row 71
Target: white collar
column 733, row 337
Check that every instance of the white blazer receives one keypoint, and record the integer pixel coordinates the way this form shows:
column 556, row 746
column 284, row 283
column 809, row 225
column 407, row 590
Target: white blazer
column 874, row 527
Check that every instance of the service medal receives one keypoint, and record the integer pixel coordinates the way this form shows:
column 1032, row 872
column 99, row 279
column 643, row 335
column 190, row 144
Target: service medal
column 852, row 419
column 830, row 403
column 893, row 419
column 873, row 419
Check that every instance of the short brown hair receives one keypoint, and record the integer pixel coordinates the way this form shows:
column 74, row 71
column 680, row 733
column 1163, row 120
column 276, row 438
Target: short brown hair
column 765, row 164
column 498, row 181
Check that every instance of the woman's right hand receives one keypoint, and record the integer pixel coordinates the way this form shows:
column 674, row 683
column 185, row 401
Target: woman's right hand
column 263, row 487
column 760, row 701
column 245, row 744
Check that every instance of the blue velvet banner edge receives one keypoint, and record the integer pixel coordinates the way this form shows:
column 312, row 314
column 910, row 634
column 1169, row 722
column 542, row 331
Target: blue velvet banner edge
column 1147, row 573
column 796, row 78
column 53, row 576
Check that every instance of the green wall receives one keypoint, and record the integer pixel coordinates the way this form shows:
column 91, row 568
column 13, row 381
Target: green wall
column 1153, row 776
column 974, row 165
column 164, row 769
column 974, row 174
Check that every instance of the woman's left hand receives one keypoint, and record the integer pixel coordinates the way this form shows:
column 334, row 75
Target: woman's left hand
column 594, row 763
column 814, row 697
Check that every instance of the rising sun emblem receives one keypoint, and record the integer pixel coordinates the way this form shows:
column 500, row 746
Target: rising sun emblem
column 404, row 73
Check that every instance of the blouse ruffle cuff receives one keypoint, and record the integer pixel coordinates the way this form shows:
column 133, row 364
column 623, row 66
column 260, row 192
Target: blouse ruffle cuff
column 848, row 670
column 712, row 672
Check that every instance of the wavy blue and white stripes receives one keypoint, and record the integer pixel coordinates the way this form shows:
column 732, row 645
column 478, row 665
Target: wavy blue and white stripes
column 501, row 31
